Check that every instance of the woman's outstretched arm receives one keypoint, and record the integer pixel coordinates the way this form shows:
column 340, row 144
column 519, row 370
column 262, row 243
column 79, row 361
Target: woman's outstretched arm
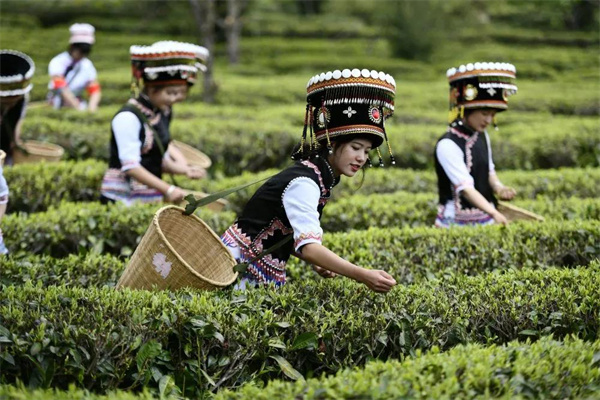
column 377, row 280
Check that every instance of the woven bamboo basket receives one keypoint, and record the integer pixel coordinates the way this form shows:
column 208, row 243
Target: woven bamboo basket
column 193, row 155
column 217, row 205
column 179, row 251
column 514, row 213
column 2, row 158
column 37, row 151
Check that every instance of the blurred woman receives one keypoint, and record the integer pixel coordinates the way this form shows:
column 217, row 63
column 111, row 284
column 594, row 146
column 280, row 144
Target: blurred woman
column 467, row 180
column 16, row 71
column 140, row 141
column 72, row 73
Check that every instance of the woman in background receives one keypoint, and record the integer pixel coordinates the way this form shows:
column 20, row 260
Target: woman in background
column 16, row 71
column 467, row 180
column 140, row 140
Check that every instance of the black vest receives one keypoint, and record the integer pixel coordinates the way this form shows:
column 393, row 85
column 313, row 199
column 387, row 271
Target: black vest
column 475, row 148
column 7, row 128
column 264, row 222
column 151, row 153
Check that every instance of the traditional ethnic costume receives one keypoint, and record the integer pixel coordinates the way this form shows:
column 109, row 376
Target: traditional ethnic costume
column 136, row 128
column 16, row 71
column 339, row 103
column 78, row 75
column 463, row 156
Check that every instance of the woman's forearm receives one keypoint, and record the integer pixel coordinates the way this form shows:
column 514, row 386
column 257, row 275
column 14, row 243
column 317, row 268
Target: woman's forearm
column 69, row 98
column 320, row 255
column 94, row 101
column 477, row 199
column 175, row 162
column 144, row 176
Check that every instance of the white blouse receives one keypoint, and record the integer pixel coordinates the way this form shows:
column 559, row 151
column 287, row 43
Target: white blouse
column 126, row 127
column 300, row 201
column 452, row 160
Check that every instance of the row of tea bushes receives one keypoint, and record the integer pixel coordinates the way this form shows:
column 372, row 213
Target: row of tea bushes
column 412, row 254
column 35, row 187
column 77, row 270
column 564, row 182
column 415, row 209
column 262, row 143
column 411, row 258
column 205, row 341
column 20, row 392
column 545, row 369
column 74, row 228
column 518, row 370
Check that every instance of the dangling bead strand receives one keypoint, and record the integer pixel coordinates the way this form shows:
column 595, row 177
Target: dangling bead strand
column 380, row 158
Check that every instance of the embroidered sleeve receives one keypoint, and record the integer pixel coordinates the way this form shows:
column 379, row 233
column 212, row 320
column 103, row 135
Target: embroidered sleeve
column 491, row 160
column 452, row 160
column 300, row 201
column 126, row 127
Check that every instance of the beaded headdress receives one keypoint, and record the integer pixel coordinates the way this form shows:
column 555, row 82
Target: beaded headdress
column 348, row 102
column 16, row 71
column 480, row 85
column 82, row 33
column 201, row 52
column 164, row 63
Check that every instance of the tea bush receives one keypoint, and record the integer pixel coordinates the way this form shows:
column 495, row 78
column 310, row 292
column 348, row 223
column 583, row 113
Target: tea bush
column 518, row 370
column 35, row 187
column 210, row 340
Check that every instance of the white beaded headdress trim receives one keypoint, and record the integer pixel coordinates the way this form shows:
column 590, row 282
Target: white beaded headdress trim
column 482, row 69
column 354, row 86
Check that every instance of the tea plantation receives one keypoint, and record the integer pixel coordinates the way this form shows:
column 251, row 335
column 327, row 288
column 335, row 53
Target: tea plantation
column 488, row 312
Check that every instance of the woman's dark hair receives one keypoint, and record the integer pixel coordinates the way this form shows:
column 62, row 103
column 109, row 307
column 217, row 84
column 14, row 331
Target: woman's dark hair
column 84, row 48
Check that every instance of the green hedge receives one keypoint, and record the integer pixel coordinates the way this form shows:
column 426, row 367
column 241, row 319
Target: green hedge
column 415, row 209
column 75, row 228
column 35, row 187
column 265, row 140
column 9, row 392
column 72, row 228
column 546, row 369
column 564, row 182
column 520, row 370
column 204, row 341
column 411, row 256
column 77, row 270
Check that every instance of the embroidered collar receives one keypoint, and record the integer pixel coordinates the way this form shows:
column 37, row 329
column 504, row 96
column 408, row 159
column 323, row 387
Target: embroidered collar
column 152, row 113
column 144, row 104
column 329, row 178
column 463, row 128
